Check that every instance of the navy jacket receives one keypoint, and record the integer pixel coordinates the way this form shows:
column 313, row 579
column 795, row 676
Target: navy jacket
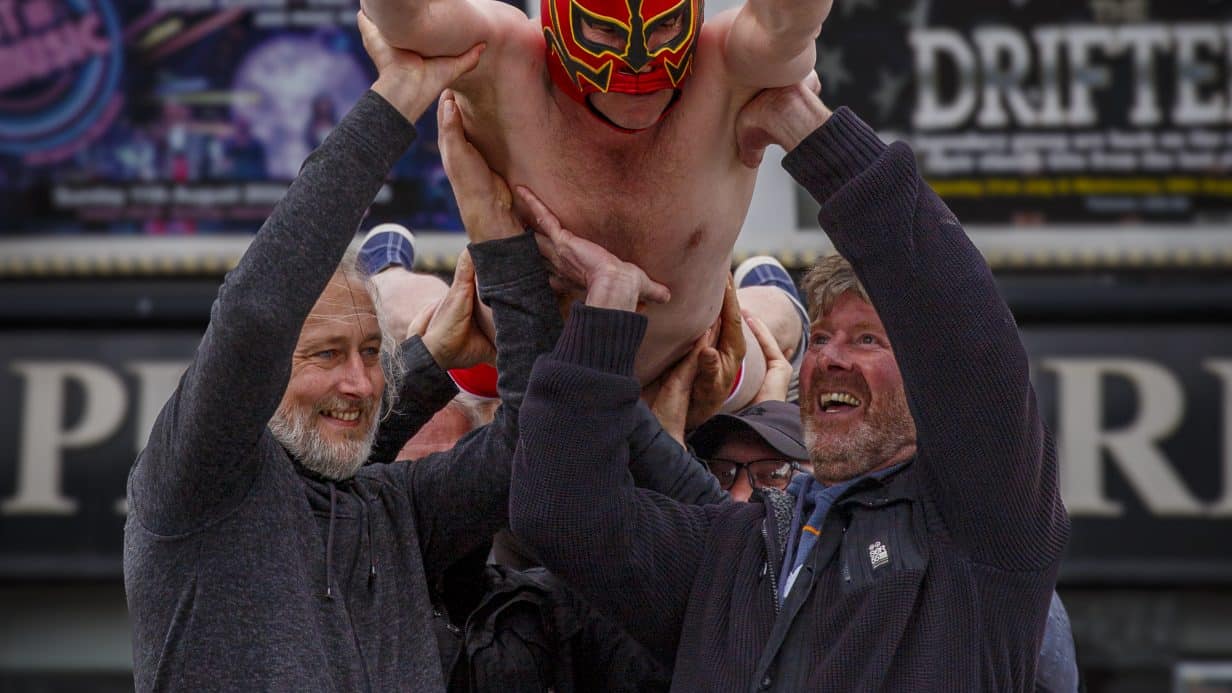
column 937, row 578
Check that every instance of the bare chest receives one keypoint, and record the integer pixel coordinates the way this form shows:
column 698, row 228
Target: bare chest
column 658, row 198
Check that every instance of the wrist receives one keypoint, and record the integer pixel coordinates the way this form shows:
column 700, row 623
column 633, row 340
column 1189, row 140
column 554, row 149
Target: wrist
column 802, row 121
column 403, row 94
column 612, row 289
column 438, row 353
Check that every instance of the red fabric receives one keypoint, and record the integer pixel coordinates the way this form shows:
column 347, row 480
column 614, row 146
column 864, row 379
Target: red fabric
column 478, row 380
column 739, row 379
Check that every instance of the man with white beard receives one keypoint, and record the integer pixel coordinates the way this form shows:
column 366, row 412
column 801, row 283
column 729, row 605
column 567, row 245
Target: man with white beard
column 259, row 552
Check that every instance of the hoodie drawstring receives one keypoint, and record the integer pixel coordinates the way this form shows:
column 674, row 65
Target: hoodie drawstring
column 329, row 543
column 363, row 497
column 329, row 539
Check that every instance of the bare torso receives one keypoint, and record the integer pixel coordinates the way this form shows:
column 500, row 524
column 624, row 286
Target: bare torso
column 670, row 199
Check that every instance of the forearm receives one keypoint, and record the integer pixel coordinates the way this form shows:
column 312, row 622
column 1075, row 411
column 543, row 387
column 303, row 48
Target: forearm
column 964, row 367
column 431, row 27
column 772, row 43
column 631, row 553
column 426, row 388
column 659, row 463
column 514, row 283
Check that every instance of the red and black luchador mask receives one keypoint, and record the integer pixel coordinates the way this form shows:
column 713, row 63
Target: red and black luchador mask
column 636, row 46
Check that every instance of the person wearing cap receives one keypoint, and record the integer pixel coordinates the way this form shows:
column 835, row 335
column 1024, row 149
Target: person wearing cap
column 759, row 446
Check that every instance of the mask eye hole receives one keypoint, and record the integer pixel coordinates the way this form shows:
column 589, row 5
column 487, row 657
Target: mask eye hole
column 598, row 34
column 666, row 30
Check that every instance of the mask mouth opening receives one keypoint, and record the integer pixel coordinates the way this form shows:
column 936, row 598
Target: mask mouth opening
column 590, row 106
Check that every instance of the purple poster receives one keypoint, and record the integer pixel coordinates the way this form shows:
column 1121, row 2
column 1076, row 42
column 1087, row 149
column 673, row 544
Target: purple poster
column 181, row 117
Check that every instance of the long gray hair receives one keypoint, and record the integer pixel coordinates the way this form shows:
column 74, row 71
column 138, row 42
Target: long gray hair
column 392, row 366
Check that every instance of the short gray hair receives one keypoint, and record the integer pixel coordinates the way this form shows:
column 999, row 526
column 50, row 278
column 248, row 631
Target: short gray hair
column 830, row 278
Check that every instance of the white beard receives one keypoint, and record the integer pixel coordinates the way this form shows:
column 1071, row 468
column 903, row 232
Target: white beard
column 332, row 459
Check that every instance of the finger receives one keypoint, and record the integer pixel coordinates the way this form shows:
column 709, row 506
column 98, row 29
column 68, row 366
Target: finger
column 457, row 154
column 419, row 324
column 547, row 249
column 367, row 29
column 464, row 63
column 652, row 291
column 544, row 220
column 751, row 158
column 460, row 298
column 813, row 83
column 708, row 364
column 751, row 142
column 731, row 336
column 712, row 333
column 464, row 271
column 679, row 380
column 769, row 345
column 447, row 106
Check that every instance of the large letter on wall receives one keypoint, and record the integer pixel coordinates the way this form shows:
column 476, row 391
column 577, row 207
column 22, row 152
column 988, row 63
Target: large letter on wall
column 1223, row 369
column 39, row 462
column 929, row 45
column 1133, row 448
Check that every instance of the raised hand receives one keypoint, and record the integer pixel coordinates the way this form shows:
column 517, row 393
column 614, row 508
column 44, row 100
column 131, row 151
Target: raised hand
column 782, row 116
column 579, row 264
column 483, row 196
column 719, row 362
column 407, row 80
column 449, row 329
column 673, row 390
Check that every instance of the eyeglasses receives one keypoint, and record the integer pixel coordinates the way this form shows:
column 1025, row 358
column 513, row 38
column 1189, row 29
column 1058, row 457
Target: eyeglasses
column 768, row 473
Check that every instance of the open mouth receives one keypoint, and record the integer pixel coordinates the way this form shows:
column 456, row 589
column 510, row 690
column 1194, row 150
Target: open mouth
column 342, row 417
column 837, row 402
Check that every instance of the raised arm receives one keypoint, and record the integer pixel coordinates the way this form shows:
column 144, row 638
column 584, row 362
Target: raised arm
column 658, row 462
column 461, row 495
column 448, row 27
column 983, row 450
column 632, row 553
column 199, row 462
column 772, row 43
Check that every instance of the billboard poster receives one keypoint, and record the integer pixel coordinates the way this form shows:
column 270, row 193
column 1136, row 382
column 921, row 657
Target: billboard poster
column 182, row 117
column 1027, row 113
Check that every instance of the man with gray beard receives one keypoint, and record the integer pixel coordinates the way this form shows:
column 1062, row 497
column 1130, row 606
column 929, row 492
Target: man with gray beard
column 260, row 553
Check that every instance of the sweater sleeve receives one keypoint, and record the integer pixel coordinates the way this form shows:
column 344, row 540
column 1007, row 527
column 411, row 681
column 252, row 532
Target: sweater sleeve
column 630, row 552
column 984, row 454
column 199, row 461
column 659, row 463
column 461, row 495
column 425, row 389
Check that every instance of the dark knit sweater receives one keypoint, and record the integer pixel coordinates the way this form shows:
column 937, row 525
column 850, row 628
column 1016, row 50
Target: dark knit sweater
column 974, row 524
column 245, row 572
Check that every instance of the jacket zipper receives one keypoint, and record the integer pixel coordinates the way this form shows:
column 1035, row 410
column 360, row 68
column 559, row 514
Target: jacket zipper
column 774, row 580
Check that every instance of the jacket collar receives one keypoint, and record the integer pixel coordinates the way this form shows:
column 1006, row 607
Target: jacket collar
column 869, row 491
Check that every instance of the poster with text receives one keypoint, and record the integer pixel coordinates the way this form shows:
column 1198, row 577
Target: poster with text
column 182, row 117
column 1047, row 112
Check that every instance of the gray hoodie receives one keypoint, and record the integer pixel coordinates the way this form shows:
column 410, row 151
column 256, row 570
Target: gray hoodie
column 243, row 570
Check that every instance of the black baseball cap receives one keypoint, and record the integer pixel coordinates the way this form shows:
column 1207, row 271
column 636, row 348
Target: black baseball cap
column 776, row 423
